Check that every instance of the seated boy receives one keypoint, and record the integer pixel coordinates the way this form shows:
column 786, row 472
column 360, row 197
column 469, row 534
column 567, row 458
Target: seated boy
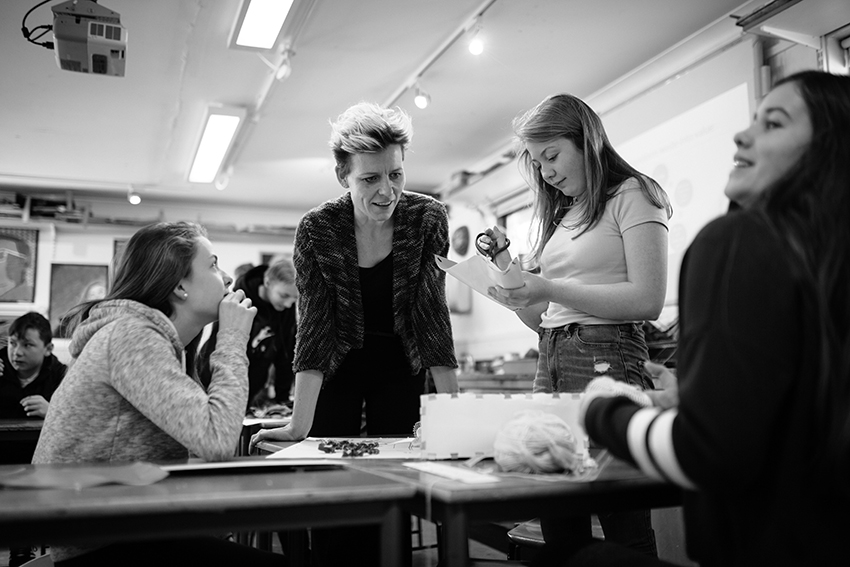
column 29, row 372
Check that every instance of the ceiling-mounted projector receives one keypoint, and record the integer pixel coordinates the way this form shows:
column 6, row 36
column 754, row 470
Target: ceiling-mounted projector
column 89, row 38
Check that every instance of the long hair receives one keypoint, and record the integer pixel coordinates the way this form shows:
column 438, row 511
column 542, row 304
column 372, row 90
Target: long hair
column 565, row 116
column 809, row 208
column 152, row 264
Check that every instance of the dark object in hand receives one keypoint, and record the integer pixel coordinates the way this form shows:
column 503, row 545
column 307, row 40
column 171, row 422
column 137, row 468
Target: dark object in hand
column 487, row 247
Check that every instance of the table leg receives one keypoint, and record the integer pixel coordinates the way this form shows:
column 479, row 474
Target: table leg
column 454, row 541
column 395, row 538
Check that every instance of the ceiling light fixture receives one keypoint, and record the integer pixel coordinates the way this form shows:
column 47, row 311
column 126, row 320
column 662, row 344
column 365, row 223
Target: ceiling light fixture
column 476, row 44
column 259, row 23
column 223, row 178
column 468, row 24
column 284, row 69
column 220, row 128
column 422, row 99
column 133, row 197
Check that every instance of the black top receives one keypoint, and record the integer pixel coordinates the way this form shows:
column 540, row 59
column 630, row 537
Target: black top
column 331, row 321
column 745, row 430
column 376, row 290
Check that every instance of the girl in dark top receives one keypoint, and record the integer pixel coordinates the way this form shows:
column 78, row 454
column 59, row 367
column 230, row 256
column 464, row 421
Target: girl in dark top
column 758, row 429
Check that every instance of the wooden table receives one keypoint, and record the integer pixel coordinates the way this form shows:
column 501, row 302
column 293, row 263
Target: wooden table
column 194, row 503
column 455, row 504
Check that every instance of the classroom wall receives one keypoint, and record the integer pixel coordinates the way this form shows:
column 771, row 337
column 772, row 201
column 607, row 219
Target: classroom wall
column 487, row 330
column 681, row 130
column 74, row 244
column 482, row 329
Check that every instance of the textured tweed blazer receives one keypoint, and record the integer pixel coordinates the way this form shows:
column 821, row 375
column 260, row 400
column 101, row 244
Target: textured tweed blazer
column 330, row 307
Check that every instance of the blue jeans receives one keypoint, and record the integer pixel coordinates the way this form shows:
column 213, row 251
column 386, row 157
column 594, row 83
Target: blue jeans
column 570, row 357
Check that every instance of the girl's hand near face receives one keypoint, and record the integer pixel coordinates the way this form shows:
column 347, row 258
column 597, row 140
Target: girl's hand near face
column 236, row 312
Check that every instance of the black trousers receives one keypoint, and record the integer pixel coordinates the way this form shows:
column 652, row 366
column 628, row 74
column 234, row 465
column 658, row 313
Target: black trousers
column 374, row 382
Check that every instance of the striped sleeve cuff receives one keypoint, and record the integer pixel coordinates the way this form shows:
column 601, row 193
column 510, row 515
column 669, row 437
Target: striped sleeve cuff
column 650, row 440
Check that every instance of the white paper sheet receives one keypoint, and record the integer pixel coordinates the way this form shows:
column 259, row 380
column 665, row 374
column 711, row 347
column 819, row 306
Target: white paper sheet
column 480, row 274
column 389, row 447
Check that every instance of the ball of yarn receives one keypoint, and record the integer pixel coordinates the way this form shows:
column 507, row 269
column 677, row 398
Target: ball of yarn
column 535, row 441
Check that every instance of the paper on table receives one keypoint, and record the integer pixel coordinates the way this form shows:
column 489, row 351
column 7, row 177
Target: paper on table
column 480, row 274
column 84, row 476
column 389, row 448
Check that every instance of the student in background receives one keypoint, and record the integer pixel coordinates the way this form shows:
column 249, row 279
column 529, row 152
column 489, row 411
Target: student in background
column 602, row 249
column 758, row 427
column 128, row 397
column 29, row 374
column 271, row 343
column 242, row 269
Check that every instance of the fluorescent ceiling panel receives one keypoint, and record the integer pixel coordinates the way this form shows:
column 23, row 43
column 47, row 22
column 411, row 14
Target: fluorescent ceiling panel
column 262, row 22
column 215, row 141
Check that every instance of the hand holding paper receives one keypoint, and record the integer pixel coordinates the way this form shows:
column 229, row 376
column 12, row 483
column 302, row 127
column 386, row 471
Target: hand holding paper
column 480, row 274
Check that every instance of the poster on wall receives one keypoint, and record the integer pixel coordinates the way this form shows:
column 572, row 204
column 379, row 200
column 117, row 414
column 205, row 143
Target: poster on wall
column 70, row 285
column 18, row 261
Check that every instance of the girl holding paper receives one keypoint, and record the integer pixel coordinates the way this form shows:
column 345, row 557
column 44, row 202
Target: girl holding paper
column 601, row 245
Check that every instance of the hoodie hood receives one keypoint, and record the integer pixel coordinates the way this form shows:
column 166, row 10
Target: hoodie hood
column 107, row 312
column 251, row 281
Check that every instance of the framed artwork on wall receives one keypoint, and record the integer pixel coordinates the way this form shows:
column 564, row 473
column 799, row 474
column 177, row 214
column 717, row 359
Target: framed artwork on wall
column 25, row 254
column 5, row 323
column 18, row 264
column 70, row 285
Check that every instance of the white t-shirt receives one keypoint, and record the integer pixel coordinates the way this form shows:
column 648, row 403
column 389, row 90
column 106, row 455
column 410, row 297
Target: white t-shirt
column 598, row 255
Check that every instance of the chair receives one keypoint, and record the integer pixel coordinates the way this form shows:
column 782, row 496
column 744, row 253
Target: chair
column 527, row 535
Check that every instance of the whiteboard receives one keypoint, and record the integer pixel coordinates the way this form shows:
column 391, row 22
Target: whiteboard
column 690, row 156
column 681, row 134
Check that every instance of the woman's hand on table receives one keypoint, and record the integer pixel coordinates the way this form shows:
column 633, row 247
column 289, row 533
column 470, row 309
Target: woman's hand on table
column 284, row 433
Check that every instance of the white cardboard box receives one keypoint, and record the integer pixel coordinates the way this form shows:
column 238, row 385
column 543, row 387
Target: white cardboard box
column 457, row 426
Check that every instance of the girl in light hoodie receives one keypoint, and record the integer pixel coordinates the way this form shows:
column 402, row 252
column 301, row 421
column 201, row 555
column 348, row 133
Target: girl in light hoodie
column 131, row 395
